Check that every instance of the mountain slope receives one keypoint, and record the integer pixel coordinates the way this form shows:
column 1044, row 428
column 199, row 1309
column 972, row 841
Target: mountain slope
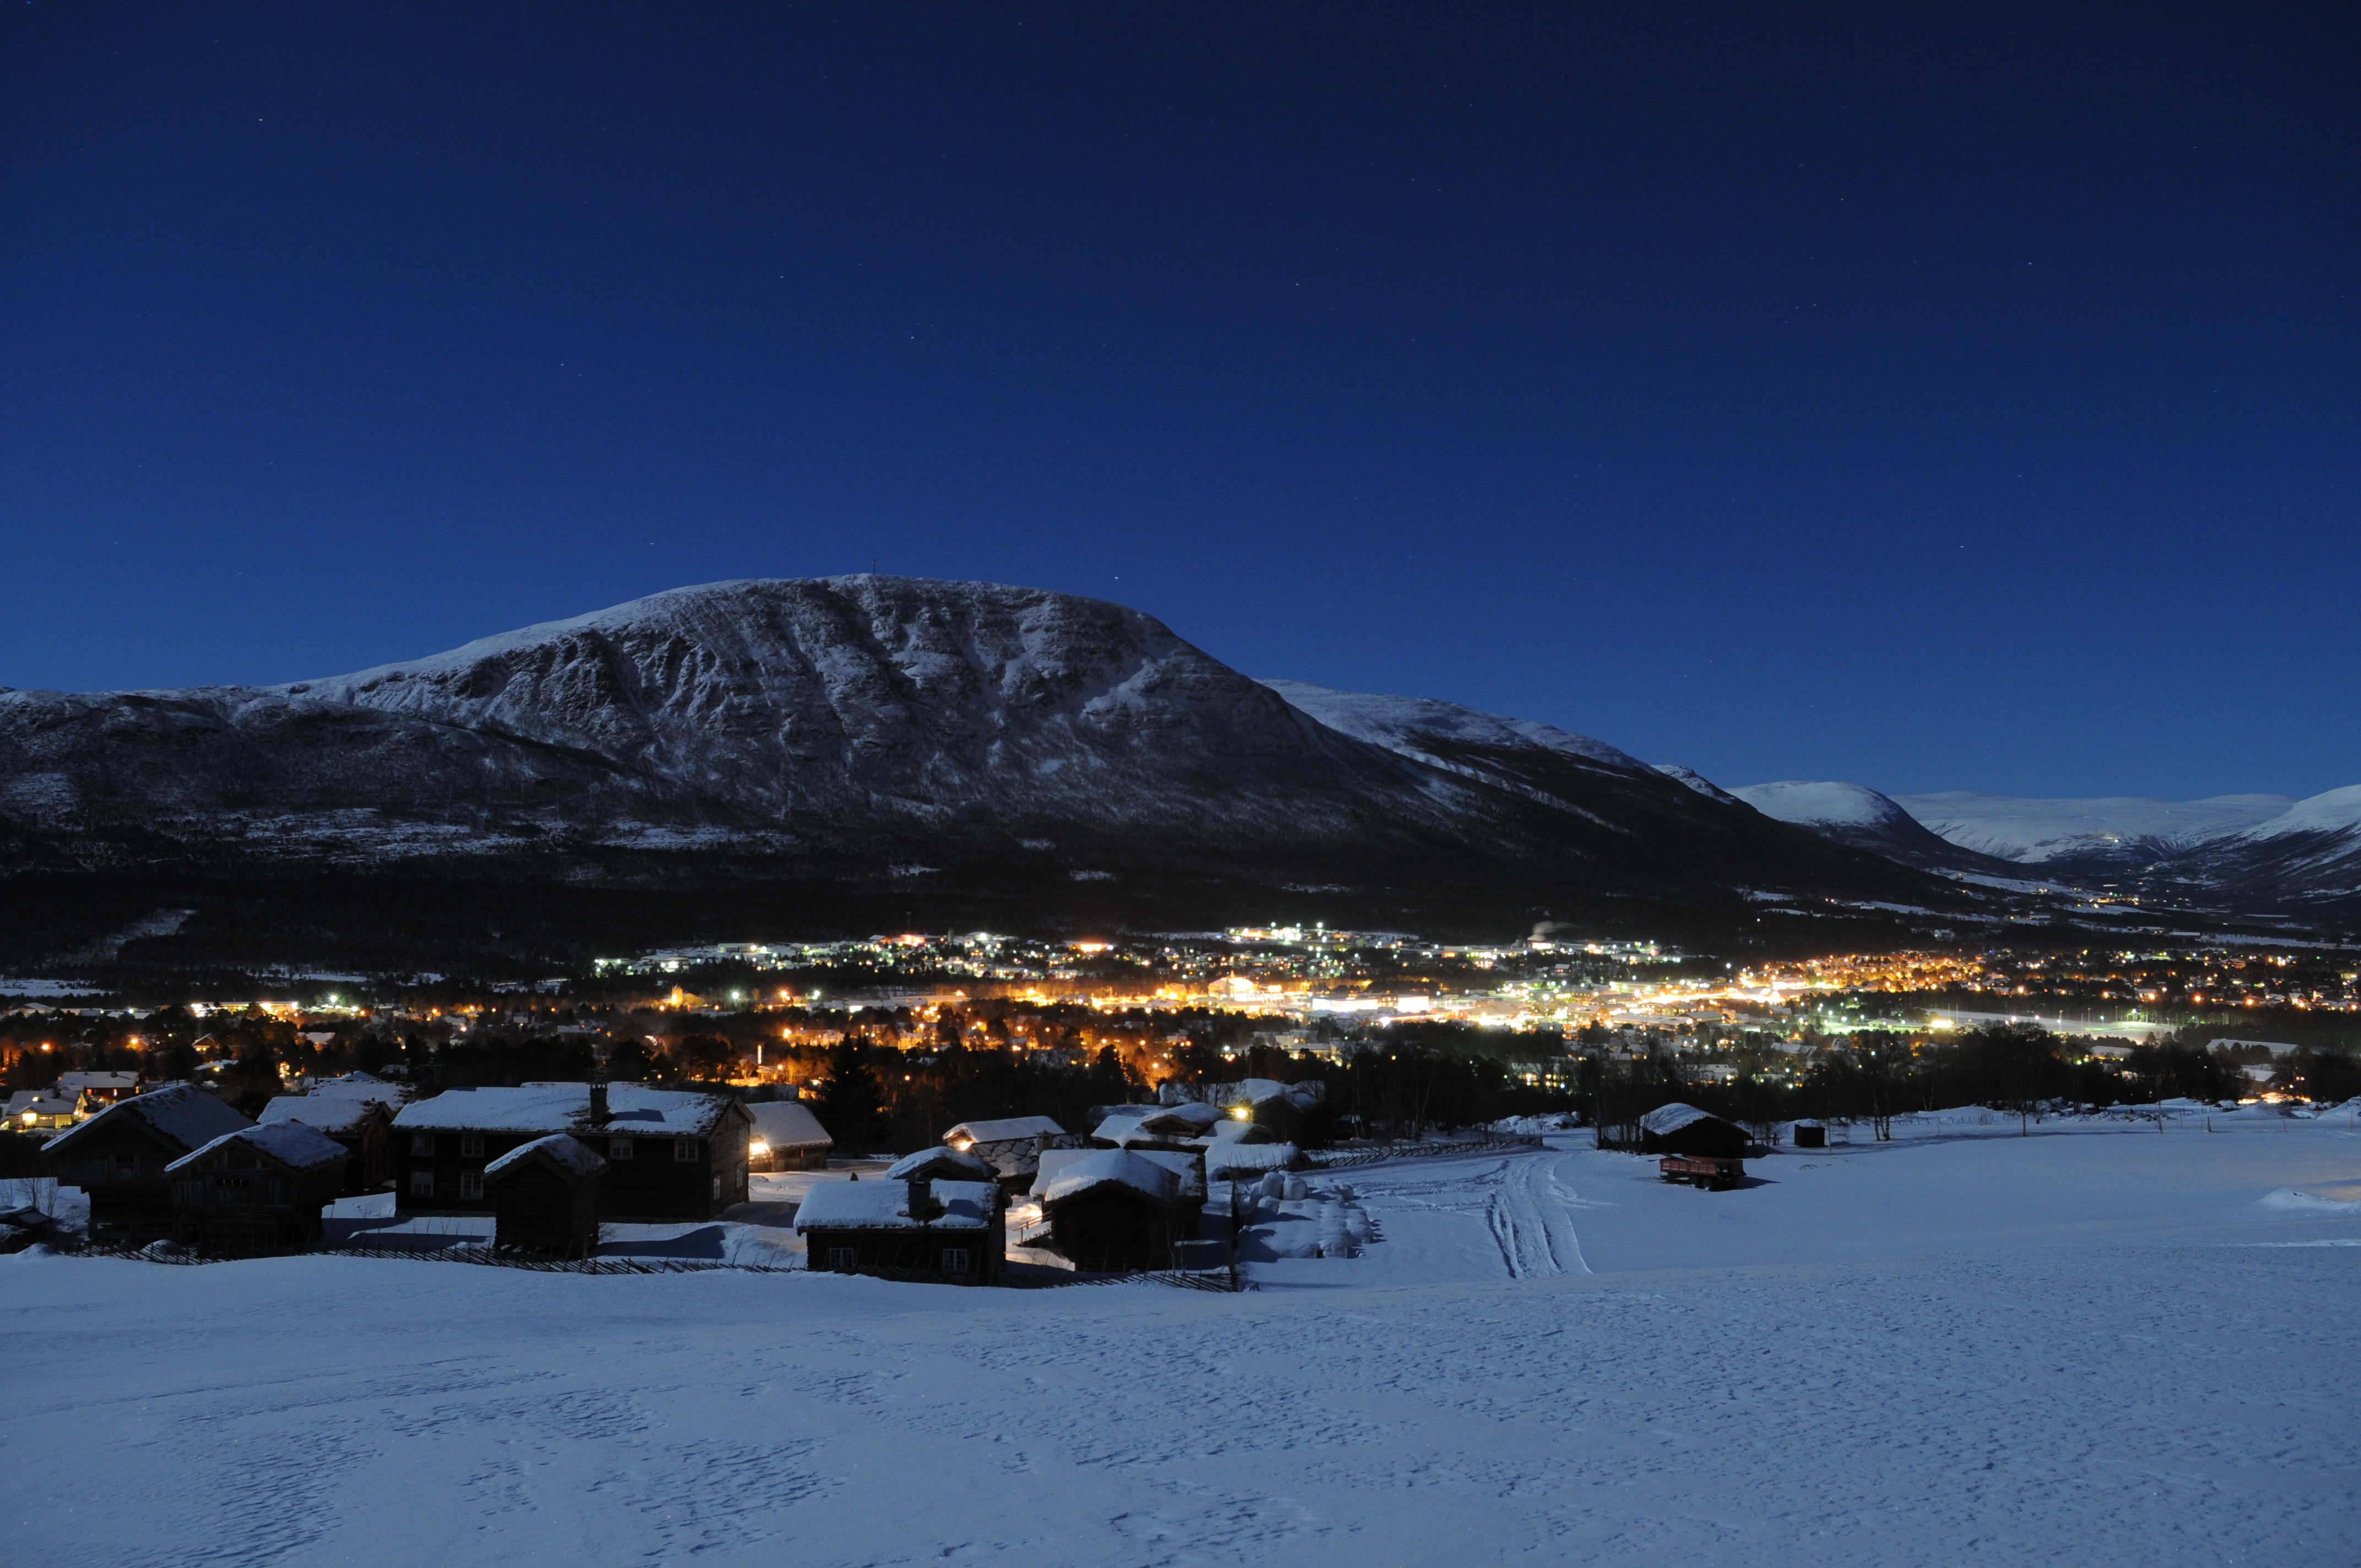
column 1856, row 814
column 972, row 746
column 2309, row 854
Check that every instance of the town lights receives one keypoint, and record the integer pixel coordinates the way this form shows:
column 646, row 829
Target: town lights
column 964, row 1145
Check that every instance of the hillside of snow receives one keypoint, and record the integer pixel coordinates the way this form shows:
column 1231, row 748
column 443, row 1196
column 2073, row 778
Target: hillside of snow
column 2102, row 1344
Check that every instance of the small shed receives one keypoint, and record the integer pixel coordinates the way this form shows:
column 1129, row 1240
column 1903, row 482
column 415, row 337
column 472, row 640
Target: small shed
column 1113, row 1211
column 119, row 1157
column 786, row 1137
column 258, row 1189
column 956, row 1231
column 544, row 1198
column 1683, row 1129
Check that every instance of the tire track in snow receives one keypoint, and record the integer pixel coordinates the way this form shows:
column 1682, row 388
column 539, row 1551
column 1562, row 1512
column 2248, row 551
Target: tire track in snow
column 1527, row 1220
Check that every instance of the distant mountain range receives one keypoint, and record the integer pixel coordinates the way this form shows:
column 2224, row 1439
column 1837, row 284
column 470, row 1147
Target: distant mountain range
column 818, row 755
column 2257, row 852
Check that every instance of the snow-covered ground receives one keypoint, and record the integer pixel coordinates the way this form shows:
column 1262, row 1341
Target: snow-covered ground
column 2102, row 1343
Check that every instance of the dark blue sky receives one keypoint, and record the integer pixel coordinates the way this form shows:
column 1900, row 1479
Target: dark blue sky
column 1963, row 401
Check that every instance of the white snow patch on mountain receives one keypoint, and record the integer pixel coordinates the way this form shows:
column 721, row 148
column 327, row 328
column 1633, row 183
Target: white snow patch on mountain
column 1395, row 723
column 2337, row 811
column 1828, row 803
column 1696, row 781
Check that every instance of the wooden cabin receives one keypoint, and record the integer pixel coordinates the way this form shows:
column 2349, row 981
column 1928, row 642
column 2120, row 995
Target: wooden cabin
column 939, row 1165
column 119, row 1158
column 544, row 1198
column 786, row 1136
column 1683, row 1129
column 956, row 1231
column 672, row 1155
column 365, row 1126
column 1012, row 1146
column 1112, row 1212
column 256, row 1190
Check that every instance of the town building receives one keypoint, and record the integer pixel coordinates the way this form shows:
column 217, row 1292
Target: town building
column 1681, row 1129
column 360, row 1121
column 259, row 1190
column 786, row 1137
column 673, row 1155
column 119, row 1155
column 545, row 1197
column 1113, row 1211
column 956, row 1231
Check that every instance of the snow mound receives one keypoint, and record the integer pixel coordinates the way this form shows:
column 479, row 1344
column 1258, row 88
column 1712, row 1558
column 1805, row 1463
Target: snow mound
column 2295, row 1200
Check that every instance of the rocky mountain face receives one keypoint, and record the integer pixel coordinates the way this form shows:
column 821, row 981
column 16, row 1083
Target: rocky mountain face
column 921, row 737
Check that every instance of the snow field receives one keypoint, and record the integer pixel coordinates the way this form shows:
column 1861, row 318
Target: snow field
column 2100, row 1344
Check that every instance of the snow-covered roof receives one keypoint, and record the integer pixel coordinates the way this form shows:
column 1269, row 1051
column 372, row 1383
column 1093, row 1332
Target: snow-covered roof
column 787, row 1124
column 1230, row 1130
column 1160, row 1122
column 876, row 1205
column 632, row 1111
column 41, row 1103
column 939, row 1165
column 1007, row 1129
column 187, row 1115
column 1091, row 1169
column 1665, row 1120
column 1248, row 1158
column 289, row 1143
column 75, row 1082
column 330, row 1114
column 564, row 1148
column 1188, row 1171
column 359, row 1086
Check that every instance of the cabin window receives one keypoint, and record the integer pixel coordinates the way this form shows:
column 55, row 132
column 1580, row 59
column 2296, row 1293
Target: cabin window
column 123, row 1162
column 471, row 1184
column 683, row 1149
column 619, row 1148
column 421, row 1184
column 954, row 1260
column 472, row 1144
column 839, row 1258
column 421, row 1143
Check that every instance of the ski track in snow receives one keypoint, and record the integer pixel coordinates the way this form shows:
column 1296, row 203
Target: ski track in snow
column 2146, row 1390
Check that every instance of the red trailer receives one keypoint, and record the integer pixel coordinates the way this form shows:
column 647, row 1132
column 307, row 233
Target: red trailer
column 1718, row 1172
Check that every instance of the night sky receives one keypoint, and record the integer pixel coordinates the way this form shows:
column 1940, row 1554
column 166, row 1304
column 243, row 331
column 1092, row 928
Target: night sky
column 1950, row 401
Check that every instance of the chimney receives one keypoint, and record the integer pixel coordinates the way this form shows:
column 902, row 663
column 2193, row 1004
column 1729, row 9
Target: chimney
column 922, row 1198
column 599, row 1104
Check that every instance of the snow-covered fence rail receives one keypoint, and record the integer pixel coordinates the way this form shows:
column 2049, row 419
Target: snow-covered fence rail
column 1422, row 1149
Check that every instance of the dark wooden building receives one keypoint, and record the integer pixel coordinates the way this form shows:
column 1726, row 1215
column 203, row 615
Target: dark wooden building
column 786, row 1137
column 365, row 1126
column 1683, row 1129
column 956, row 1231
column 1113, row 1211
column 545, row 1197
column 671, row 1155
column 119, row 1158
column 256, row 1190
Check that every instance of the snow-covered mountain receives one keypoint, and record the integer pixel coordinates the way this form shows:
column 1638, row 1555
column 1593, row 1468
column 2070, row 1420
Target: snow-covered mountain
column 1856, row 814
column 2309, row 854
column 2090, row 838
column 876, row 732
